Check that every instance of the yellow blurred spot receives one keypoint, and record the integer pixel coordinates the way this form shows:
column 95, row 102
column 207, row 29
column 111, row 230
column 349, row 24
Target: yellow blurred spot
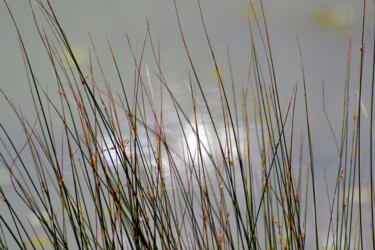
column 34, row 220
column 364, row 193
column 79, row 54
column 248, row 13
column 41, row 242
column 334, row 18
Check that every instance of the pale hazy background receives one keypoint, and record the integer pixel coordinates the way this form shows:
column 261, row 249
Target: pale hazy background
column 322, row 26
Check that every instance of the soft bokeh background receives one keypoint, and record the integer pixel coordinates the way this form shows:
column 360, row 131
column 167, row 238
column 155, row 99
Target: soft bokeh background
column 323, row 28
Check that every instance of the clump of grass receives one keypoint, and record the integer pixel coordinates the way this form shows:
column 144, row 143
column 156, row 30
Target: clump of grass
column 106, row 171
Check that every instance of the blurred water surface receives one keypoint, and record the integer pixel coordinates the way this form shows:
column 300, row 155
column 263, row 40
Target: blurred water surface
column 322, row 26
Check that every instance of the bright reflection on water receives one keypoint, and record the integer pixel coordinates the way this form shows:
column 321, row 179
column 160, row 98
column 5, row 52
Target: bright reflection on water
column 194, row 144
